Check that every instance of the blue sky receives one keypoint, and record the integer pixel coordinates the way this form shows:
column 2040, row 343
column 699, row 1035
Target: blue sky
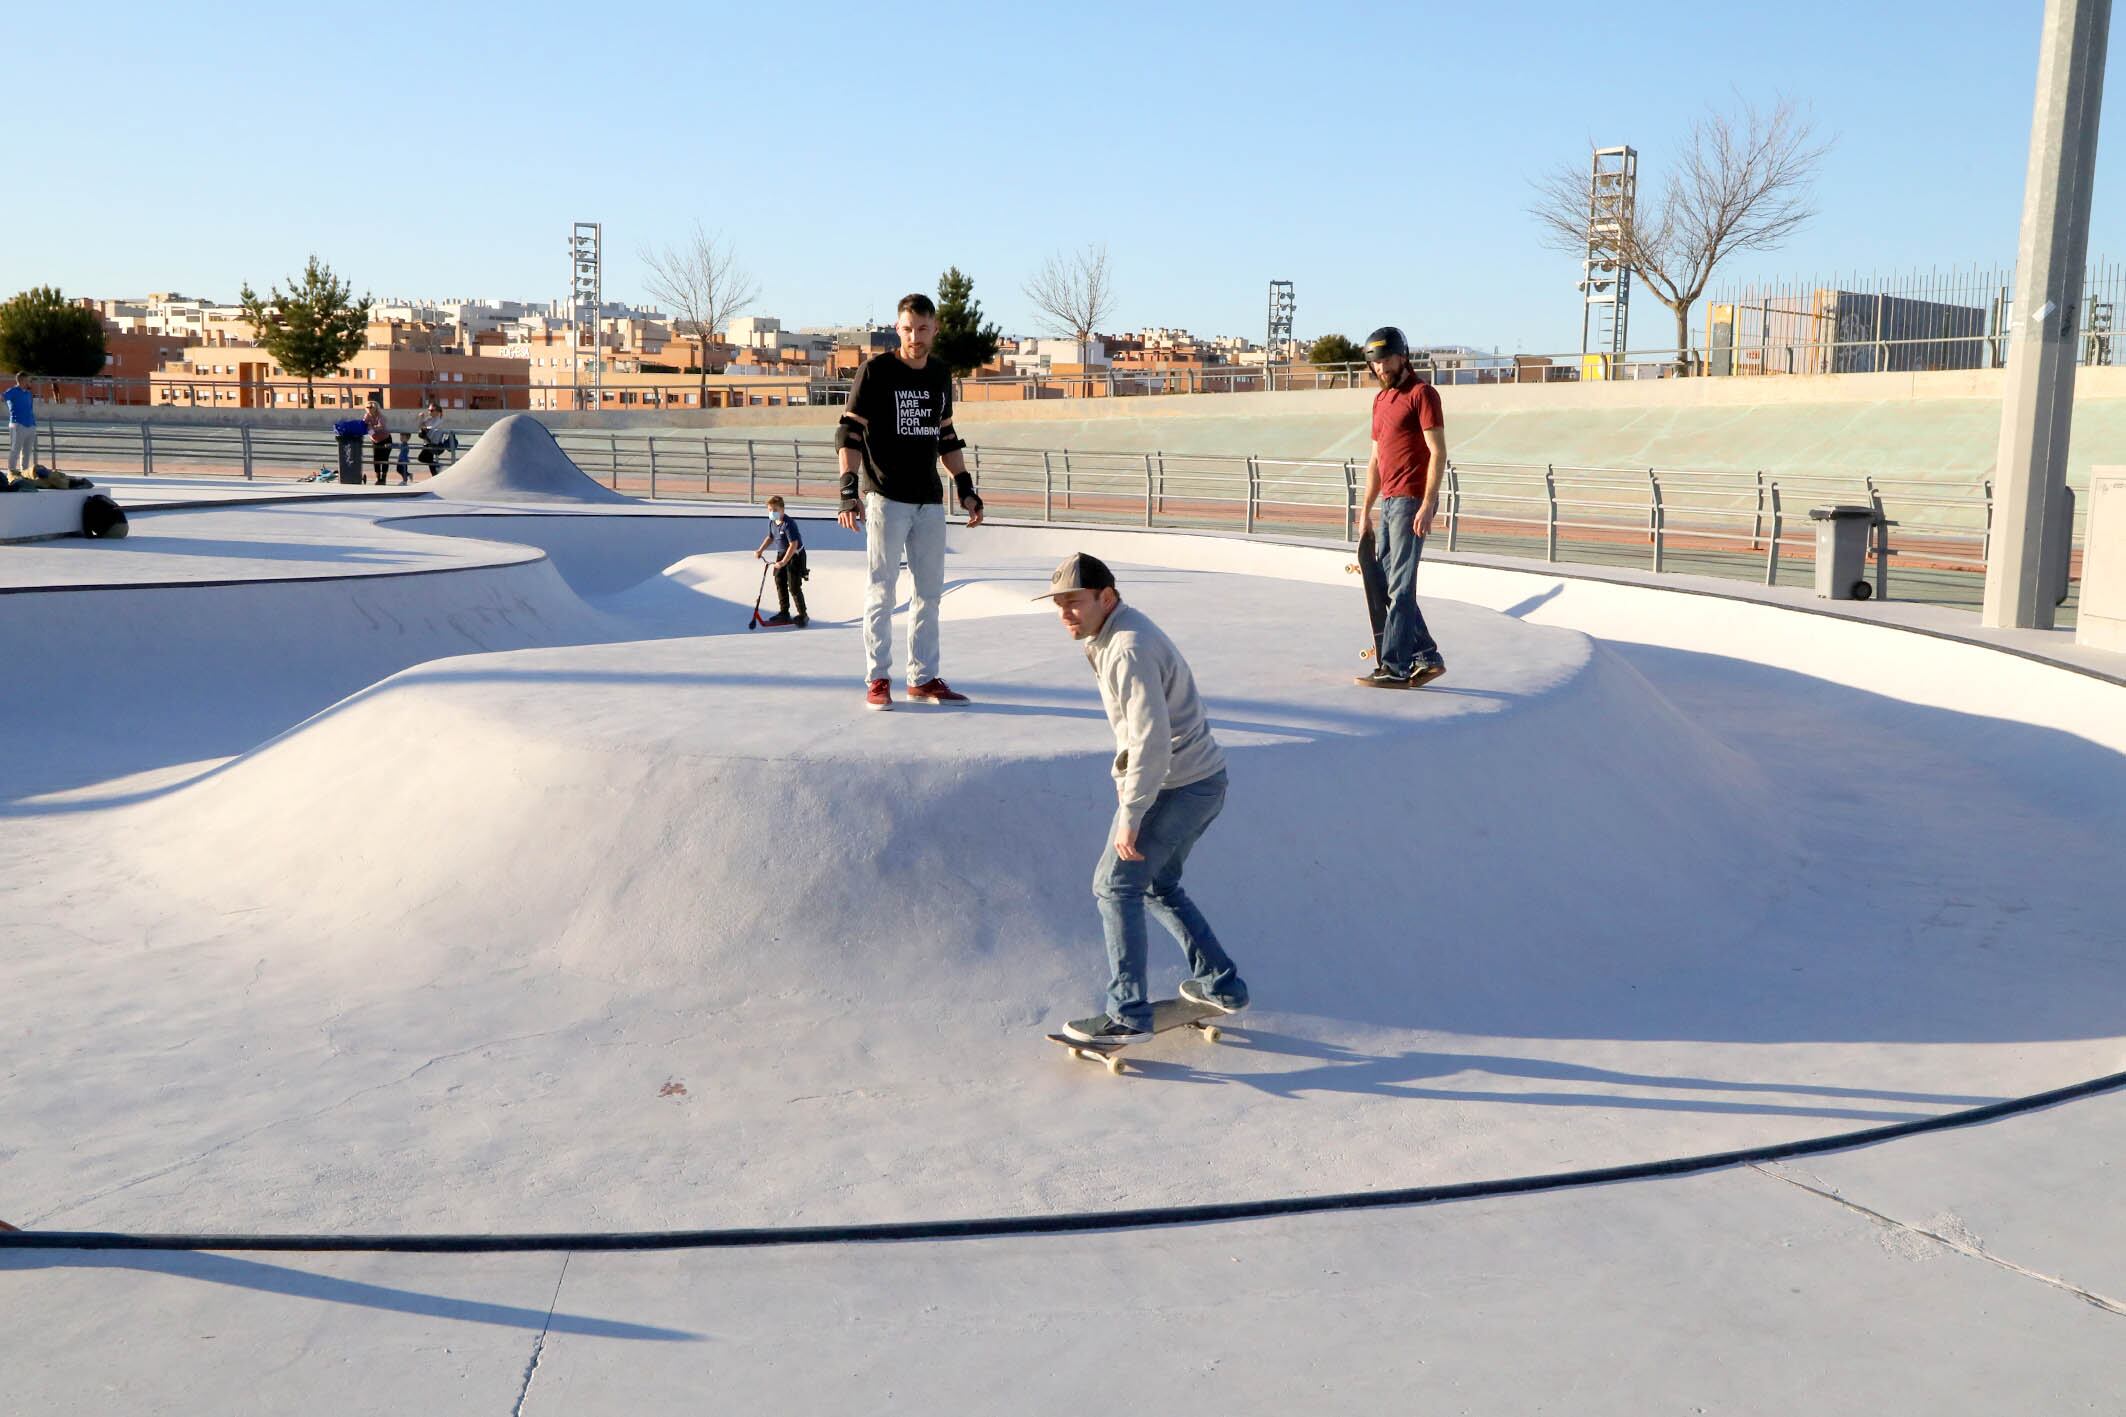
column 1376, row 155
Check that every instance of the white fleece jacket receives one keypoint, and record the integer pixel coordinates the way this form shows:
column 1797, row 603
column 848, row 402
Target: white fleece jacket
column 1162, row 738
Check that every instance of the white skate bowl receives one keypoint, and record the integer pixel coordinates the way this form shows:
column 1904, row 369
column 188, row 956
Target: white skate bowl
column 668, row 932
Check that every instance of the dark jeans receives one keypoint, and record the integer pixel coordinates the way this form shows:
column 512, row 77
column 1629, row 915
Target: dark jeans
column 1405, row 640
column 790, row 584
column 381, row 456
column 1126, row 889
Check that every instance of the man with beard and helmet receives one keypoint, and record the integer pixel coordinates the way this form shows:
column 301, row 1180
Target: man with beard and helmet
column 1403, row 474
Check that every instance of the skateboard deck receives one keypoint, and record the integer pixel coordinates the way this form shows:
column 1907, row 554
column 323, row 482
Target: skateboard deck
column 1368, row 569
column 1167, row 1014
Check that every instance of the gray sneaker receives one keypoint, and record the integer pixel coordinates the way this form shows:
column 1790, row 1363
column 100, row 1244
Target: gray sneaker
column 1426, row 672
column 1104, row 1028
column 1231, row 1002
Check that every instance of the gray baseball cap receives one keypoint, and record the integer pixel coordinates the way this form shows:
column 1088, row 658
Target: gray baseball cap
column 1079, row 572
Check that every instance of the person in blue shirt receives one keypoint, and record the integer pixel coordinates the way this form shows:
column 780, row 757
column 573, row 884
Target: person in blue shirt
column 21, row 425
column 788, row 545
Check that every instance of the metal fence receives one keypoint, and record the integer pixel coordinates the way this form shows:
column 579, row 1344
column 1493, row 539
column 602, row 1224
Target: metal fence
column 1738, row 524
column 1939, row 319
column 209, row 450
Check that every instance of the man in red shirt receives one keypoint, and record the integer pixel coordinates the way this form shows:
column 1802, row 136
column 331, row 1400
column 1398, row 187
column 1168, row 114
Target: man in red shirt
column 1403, row 476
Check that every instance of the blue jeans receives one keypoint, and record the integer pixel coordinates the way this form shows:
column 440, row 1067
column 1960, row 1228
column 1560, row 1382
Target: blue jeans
column 1124, row 889
column 1405, row 641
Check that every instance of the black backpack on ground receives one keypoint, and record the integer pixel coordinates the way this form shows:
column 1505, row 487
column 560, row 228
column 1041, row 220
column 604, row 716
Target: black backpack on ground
column 100, row 516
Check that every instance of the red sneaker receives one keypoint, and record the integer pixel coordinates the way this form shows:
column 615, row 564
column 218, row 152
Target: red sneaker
column 937, row 691
column 878, row 695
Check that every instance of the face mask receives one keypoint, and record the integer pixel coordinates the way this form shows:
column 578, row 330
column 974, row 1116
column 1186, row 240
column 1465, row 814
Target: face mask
column 775, row 517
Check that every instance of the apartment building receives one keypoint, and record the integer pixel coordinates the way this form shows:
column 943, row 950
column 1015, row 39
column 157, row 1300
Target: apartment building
column 414, row 367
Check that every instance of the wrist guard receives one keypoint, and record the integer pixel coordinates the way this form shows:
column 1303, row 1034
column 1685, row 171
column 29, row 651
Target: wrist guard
column 963, row 488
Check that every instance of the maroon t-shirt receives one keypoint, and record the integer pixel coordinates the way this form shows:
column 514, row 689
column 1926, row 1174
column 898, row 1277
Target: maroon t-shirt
column 1400, row 417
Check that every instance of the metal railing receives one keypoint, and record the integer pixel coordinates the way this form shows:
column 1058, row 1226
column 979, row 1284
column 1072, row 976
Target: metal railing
column 211, row 450
column 1737, row 524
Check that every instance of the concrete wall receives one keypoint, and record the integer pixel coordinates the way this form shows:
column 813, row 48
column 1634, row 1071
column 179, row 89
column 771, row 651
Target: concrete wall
column 1942, row 425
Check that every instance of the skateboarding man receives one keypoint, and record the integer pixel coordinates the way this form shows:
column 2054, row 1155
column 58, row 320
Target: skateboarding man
column 788, row 566
column 1170, row 779
column 1403, row 474
column 893, row 431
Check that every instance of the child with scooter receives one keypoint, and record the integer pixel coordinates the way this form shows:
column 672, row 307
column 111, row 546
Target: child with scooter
column 787, row 566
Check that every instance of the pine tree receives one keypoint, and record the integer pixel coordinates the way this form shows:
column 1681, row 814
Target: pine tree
column 1335, row 349
column 964, row 343
column 313, row 328
column 40, row 333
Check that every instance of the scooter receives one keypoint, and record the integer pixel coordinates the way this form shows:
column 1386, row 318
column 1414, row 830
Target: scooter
column 759, row 621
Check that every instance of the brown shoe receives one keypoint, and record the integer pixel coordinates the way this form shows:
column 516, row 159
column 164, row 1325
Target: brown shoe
column 878, row 695
column 936, row 691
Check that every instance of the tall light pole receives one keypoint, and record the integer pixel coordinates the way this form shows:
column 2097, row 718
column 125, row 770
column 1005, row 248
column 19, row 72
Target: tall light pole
column 586, row 277
column 2037, row 406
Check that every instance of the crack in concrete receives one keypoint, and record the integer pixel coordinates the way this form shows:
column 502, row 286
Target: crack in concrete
column 188, row 1161
column 1966, row 1245
column 531, row 1369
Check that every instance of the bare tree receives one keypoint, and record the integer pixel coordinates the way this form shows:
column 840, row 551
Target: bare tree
column 1073, row 291
column 700, row 283
column 1741, row 183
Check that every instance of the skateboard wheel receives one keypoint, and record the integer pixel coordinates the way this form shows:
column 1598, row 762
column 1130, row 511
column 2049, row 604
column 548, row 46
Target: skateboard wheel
column 1212, row 1034
column 1114, row 1063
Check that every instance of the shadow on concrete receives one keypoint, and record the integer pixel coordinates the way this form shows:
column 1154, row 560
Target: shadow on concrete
column 325, row 1289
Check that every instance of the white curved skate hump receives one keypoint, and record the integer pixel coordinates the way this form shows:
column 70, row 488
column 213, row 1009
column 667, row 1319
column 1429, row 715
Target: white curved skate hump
column 473, row 922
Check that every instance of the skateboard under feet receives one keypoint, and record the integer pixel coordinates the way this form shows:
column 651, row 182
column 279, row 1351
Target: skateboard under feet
column 1167, row 1014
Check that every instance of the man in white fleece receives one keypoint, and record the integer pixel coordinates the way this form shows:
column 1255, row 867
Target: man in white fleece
column 1170, row 777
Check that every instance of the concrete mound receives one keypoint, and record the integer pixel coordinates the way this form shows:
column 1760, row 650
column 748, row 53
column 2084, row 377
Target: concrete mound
column 517, row 460
column 583, row 878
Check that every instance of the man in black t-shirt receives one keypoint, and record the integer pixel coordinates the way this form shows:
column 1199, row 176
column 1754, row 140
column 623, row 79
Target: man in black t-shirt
column 893, row 431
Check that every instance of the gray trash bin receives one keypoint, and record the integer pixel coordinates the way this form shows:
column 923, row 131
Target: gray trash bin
column 2058, row 549
column 350, row 457
column 1842, row 551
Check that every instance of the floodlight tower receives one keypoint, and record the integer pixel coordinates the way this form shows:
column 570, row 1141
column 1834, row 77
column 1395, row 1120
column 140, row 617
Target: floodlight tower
column 586, row 284
column 1605, row 277
column 1278, row 343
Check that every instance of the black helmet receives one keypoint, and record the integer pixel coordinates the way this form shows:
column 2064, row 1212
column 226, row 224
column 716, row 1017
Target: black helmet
column 1385, row 341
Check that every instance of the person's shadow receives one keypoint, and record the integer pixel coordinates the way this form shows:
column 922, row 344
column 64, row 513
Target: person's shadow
column 1336, row 1068
column 301, row 1284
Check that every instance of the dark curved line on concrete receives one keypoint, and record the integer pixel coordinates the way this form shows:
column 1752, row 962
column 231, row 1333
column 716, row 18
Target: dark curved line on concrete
column 1069, row 1222
column 209, row 504
column 533, row 555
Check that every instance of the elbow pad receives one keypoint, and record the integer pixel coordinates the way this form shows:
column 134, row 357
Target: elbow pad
column 848, row 433
column 951, row 443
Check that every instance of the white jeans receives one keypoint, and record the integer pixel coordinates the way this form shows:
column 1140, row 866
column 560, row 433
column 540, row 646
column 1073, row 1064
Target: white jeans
column 21, row 448
column 891, row 528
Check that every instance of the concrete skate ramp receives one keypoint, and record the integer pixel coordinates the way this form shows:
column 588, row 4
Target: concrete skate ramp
column 517, row 460
column 841, row 933
column 675, row 932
